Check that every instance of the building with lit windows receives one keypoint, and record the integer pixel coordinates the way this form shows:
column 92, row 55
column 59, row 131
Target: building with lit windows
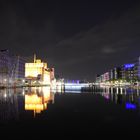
column 128, row 72
column 18, row 68
column 106, row 76
column 38, row 72
column 117, row 73
column 12, row 68
column 4, row 66
column 111, row 74
column 137, row 70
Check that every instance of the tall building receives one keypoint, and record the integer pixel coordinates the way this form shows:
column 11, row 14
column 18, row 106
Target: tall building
column 18, row 68
column 128, row 72
column 37, row 72
column 106, row 76
column 137, row 70
column 12, row 68
column 4, row 66
column 117, row 73
column 111, row 74
column 52, row 76
column 98, row 78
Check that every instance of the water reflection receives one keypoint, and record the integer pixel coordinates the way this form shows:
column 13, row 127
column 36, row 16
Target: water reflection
column 16, row 104
column 37, row 99
column 128, row 97
column 9, row 104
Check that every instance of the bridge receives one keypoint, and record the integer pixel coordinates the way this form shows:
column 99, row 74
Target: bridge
column 74, row 86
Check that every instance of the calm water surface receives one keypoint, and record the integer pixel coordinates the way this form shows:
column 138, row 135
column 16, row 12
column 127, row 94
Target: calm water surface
column 41, row 109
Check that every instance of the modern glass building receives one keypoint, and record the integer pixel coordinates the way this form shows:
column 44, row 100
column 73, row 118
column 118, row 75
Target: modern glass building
column 12, row 68
column 126, row 73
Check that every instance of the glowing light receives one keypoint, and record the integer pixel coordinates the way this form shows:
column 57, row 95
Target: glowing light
column 106, row 96
column 77, row 81
column 128, row 65
column 5, row 95
column 23, row 92
column 38, row 103
column 37, row 70
column 130, row 106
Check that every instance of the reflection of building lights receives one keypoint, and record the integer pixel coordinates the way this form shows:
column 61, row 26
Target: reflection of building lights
column 117, row 90
column 46, row 89
column 23, row 92
column 33, row 102
column 130, row 106
column 106, row 96
column 59, row 83
column 5, row 95
column 38, row 103
column 121, row 90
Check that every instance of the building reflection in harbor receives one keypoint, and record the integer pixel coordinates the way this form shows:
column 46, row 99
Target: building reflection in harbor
column 10, row 103
column 128, row 97
column 25, row 103
column 15, row 104
column 37, row 99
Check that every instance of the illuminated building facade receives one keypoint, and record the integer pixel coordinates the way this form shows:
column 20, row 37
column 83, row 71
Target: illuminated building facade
column 38, row 72
column 18, row 68
column 126, row 73
column 4, row 66
column 12, row 68
column 98, row 79
column 111, row 74
column 106, row 76
column 117, row 73
column 137, row 69
column 52, row 76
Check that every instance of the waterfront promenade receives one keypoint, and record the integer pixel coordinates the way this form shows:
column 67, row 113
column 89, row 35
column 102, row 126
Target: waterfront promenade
column 72, row 86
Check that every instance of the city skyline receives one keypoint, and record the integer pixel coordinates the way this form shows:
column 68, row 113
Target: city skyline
column 79, row 39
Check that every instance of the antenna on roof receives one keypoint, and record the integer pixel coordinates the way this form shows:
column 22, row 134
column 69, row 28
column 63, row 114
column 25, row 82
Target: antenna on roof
column 34, row 58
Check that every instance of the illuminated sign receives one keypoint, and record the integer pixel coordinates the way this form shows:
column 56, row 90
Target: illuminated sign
column 130, row 106
column 128, row 65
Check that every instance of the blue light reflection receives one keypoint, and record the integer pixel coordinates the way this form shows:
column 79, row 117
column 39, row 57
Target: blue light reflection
column 130, row 106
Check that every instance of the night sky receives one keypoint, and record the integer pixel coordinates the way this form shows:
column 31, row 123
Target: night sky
column 78, row 38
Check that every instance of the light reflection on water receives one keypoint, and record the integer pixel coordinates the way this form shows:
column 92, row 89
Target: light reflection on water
column 37, row 99
column 128, row 97
column 18, row 103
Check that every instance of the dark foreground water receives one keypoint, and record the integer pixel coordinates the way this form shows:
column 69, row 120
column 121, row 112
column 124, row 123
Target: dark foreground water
column 39, row 110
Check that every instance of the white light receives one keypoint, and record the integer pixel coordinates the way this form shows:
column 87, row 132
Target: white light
column 23, row 92
column 5, row 95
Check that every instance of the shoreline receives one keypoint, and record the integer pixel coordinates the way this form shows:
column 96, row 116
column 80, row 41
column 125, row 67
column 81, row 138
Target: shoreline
column 21, row 86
